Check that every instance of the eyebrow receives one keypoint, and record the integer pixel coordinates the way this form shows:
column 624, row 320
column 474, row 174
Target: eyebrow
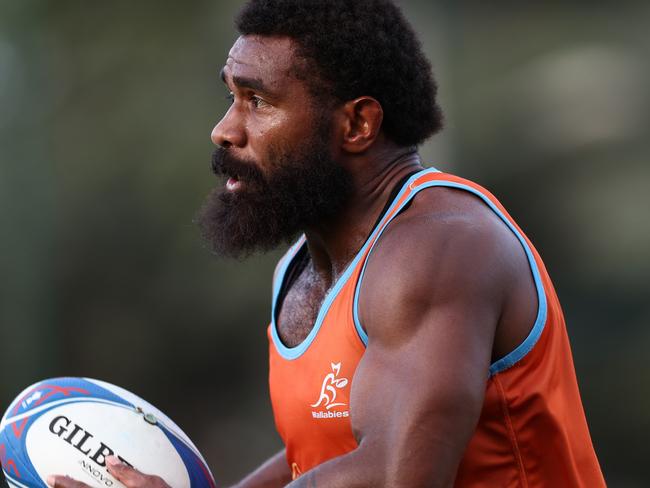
column 243, row 82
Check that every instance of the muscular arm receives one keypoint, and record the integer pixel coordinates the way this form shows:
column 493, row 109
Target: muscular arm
column 430, row 304
column 274, row 473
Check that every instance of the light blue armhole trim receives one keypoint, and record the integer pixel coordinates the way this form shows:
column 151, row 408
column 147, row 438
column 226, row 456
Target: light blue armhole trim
column 529, row 342
column 297, row 351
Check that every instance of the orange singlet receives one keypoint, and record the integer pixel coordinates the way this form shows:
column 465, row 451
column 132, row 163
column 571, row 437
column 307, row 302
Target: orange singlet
column 532, row 430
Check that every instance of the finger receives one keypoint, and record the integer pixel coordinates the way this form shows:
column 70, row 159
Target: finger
column 126, row 474
column 57, row 481
column 130, row 477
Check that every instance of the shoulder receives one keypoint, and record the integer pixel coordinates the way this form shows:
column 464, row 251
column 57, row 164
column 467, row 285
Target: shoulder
column 448, row 251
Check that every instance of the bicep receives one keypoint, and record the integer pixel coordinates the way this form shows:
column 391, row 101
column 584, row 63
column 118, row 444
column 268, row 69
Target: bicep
column 418, row 402
column 418, row 391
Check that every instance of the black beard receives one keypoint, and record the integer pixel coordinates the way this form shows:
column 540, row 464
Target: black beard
column 305, row 188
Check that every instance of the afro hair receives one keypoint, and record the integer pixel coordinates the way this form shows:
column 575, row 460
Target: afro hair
column 355, row 48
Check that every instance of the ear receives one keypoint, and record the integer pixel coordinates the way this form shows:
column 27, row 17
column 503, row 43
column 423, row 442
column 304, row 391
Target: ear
column 362, row 119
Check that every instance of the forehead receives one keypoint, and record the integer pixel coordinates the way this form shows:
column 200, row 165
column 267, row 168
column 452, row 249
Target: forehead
column 265, row 57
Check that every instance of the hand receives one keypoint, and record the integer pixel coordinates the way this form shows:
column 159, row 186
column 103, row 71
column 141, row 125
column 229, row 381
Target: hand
column 129, row 477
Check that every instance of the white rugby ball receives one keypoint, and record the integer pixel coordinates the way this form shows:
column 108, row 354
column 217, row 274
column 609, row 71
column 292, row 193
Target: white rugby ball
column 70, row 425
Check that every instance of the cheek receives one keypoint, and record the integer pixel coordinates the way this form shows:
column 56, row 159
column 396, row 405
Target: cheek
column 293, row 123
column 280, row 122
column 263, row 127
column 274, row 130
column 273, row 135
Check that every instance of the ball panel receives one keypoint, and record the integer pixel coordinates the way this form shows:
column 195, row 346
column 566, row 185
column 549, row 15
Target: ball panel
column 69, row 425
column 197, row 469
column 55, row 390
column 15, row 461
column 28, row 406
column 146, row 406
column 15, row 483
column 74, row 439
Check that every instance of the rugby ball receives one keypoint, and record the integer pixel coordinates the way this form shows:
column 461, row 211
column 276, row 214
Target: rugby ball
column 69, row 426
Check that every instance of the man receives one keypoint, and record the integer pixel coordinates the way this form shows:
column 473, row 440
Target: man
column 416, row 339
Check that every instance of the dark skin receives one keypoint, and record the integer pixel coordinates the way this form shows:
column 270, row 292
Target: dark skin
column 459, row 294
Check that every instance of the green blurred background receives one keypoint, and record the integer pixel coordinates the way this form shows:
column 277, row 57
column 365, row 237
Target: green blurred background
column 105, row 114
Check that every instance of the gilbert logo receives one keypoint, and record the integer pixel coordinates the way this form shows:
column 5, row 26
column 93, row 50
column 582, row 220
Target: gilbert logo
column 327, row 397
column 92, row 448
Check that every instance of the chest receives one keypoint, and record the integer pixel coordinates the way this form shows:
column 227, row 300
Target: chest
column 300, row 307
column 310, row 375
column 313, row 355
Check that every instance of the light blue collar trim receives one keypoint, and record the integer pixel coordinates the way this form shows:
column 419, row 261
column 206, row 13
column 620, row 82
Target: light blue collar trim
column 299, row 350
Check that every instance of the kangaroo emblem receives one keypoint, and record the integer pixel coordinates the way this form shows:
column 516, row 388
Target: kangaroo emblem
column 328, row 390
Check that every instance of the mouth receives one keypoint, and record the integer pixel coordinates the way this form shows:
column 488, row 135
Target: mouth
column 237, row 173
column 233, row 183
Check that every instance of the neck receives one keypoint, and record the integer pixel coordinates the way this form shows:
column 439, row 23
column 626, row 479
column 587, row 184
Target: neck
column 334, row 243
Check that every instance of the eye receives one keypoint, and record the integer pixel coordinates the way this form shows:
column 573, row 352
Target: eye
column 258, row 102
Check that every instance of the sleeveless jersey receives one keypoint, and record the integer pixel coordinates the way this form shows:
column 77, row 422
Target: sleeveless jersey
column 532, row 430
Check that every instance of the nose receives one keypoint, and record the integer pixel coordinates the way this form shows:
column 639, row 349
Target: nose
column 229, row 131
